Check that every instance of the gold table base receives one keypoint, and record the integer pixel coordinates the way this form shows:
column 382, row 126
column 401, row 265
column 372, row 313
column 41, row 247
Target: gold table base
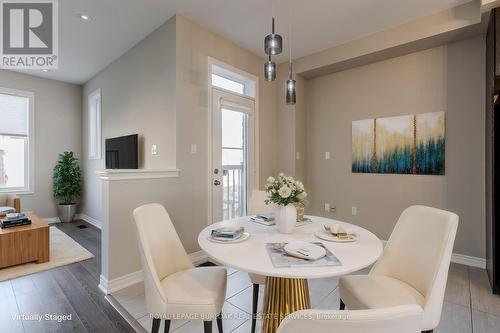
column 282, row 297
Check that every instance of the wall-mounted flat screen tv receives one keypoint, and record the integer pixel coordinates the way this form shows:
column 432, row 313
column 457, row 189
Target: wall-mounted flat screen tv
column 122, row 152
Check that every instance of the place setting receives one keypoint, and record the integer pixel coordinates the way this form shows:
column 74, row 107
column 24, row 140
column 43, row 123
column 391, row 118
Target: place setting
column 336, row 233
column 228, row 235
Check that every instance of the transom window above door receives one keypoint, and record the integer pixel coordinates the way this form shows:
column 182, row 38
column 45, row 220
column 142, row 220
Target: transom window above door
column 232, row 81
column 15, row 140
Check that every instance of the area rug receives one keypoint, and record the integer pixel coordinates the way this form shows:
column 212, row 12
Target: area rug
column 63, row 251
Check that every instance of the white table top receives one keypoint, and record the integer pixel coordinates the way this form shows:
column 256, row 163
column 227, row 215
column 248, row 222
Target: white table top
column 251, row 255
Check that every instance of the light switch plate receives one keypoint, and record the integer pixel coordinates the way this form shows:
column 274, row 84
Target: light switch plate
column 354, row 211
column 194, row 148
column 297, row 155
column 327, row 207
column 327, row 155
column 154, row 150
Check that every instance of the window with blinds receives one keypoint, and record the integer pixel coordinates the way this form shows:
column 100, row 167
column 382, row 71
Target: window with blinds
column 14, row 140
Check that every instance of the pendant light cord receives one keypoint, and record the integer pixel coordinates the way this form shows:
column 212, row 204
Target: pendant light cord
column 290, row 41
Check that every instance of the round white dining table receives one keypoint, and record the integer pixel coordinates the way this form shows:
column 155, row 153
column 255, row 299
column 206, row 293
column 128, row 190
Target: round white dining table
column 286, row 287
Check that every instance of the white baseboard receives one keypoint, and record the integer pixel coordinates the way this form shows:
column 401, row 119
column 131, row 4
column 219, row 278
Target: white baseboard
column 88, row 219
column 198, row 257
column 124, row 281
column 51, row 220
column 463, row 259
column 111, row 286
column 468, row 260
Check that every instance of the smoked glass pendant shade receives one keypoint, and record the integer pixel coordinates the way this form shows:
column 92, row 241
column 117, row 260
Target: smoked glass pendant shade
column 273, row 43
column 270, row 70
column 291, row 84
column 291, row 97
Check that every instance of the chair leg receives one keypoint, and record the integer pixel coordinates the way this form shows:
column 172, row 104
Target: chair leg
column 342, row 305
column 156, row 325
column 254, row 305
column 219, row 322
column 167, row 326
column 207, row 326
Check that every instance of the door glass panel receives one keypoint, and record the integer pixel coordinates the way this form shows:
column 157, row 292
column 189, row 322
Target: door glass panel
column 234, row 163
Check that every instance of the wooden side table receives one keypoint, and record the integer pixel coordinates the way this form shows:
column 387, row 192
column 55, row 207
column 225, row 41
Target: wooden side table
column 26, row 243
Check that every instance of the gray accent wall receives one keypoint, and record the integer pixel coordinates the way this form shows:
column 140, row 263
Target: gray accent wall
column 137, row 96
column 448, row 78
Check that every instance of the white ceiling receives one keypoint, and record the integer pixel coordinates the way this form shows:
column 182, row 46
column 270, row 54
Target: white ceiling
column 85, row 48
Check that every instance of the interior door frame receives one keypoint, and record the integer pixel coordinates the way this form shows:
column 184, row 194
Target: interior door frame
column 254, row 178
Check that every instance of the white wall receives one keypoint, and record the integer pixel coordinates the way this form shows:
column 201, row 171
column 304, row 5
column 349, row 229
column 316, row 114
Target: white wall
column 448, row 78
column 57, row 113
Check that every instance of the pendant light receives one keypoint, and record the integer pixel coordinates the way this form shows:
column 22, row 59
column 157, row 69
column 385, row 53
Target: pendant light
column 270, row 70
column 291, row 84
column 273, row 43
column 291, row 96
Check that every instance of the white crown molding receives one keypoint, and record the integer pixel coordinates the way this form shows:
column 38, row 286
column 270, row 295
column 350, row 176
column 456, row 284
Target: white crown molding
column 126, row 174
column 111, row 286
column 88, row 219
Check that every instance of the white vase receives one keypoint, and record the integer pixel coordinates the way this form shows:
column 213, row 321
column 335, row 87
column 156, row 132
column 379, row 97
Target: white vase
column 286, row 218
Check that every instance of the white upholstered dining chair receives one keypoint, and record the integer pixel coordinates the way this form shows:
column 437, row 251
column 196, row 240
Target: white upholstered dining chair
column 256, row 206
column 174, row 287
column 398, row 319
column 413, row 268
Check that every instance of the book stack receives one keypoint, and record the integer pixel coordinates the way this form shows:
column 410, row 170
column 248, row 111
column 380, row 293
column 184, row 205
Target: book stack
column 18, row 219
column 265, row 219
column 227, row 234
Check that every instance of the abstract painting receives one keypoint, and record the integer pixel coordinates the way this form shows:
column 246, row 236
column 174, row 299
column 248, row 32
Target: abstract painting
column 362, row 145
column 413, row 144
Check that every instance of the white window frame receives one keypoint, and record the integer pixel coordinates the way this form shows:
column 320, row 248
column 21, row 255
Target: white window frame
column 248, row 81
column 29, row 148
column 94, row 98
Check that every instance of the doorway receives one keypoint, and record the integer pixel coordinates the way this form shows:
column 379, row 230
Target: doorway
column 233, row 156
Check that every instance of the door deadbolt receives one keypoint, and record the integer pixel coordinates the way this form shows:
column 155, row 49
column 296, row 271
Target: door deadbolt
column 216, row 182
column 216, row 171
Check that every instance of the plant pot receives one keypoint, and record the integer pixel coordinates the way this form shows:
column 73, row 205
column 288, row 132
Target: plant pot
column 286, row 218
column 66, row 212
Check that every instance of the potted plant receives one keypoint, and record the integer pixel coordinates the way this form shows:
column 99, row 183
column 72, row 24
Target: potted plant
column 287, row 194
column 67, row 185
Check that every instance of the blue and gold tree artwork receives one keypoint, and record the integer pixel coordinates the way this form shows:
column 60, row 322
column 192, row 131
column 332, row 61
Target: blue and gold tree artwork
column 412, row 144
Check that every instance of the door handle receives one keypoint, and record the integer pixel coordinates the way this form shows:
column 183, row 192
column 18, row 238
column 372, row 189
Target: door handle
column 216, row 182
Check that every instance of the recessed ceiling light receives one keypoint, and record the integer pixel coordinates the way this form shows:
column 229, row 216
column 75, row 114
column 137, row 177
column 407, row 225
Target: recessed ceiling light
column 84, row 17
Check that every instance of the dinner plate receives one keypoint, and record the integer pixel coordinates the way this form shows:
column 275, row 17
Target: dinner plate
column 305, row 250
column 244, row 237
column 324, row 235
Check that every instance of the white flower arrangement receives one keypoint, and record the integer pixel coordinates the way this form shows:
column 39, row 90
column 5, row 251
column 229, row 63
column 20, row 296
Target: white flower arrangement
column 285, row 190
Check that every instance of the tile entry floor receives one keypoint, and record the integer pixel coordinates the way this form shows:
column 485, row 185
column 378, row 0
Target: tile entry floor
column 469, row 306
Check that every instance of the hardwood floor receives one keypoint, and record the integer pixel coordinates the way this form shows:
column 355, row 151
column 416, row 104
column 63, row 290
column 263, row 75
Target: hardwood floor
column 70, row 290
